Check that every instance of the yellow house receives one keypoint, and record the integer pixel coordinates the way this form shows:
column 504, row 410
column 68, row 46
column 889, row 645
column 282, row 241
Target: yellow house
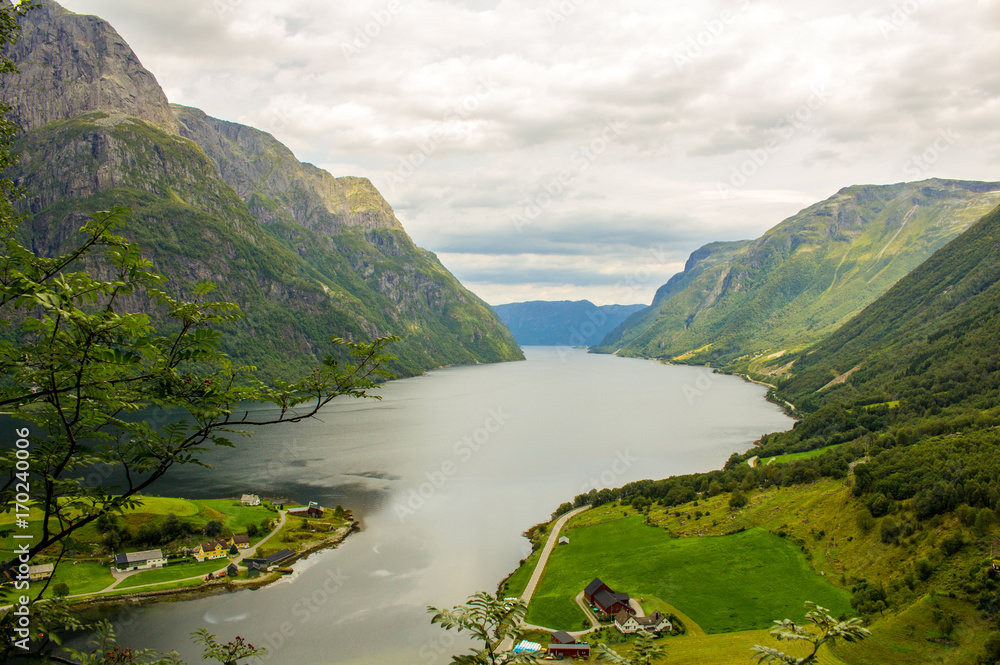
column 213, row 549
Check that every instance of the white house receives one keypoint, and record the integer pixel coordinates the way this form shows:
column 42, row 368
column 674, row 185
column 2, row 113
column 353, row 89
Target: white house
column 140, row 560
column 654, row 623
column 250, row 500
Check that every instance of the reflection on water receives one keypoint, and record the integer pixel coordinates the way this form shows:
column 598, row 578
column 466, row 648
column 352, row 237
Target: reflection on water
column 446, row 472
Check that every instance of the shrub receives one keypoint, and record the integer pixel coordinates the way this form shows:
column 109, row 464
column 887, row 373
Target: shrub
column 879, row 505
column 890, row 530
column 923, row 568
column 953, row 543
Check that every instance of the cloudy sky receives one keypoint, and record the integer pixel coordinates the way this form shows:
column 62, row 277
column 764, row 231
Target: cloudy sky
column 570, row 149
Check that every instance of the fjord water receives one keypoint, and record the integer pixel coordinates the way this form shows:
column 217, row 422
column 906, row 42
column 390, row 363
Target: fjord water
column 446, row 472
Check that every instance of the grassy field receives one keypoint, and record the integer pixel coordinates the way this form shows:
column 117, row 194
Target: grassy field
column 823, row 521
column 301, row 533
column 764, row 577
column 235, row 516
column 160, row 505
column 161, row 587
column 914, row 636
column 515, row 584
column 83, row 577
column 173, row 571
column 791, row 457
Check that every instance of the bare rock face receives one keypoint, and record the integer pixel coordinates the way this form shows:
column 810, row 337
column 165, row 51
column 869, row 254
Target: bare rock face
column 71, row 65
column 269, row 179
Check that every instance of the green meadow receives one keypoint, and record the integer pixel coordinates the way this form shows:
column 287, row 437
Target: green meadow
column 725, row 584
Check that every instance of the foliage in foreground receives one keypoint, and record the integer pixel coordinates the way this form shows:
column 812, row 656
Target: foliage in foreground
column 645, row 651
column 491, row 620
column 824, row 629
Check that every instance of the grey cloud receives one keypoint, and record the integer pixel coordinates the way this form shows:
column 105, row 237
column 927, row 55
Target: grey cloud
column 281, row 67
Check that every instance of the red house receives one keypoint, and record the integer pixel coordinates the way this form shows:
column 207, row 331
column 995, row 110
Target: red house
column 601, row 596
column 569, row 651
column 593, row 588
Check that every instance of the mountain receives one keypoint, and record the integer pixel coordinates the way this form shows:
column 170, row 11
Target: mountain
column 922, row 361
column 562, row 323
column 802, row 279
column 305, row 254
column 932, row 342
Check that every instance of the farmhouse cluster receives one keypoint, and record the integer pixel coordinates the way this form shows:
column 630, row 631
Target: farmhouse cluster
column 221, row 548
column 606, row 605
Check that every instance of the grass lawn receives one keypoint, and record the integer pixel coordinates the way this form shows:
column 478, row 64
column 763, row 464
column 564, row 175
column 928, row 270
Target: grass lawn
column 237, row 516
column 728, row 649
column 161, row 505
column 83, row 577
column 518, row 581
column 173, row 571
column 176, row 585
column 725, row 584
column 791, row 457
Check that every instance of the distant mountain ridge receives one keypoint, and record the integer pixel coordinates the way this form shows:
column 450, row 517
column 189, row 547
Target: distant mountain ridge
column 562, row 323
column 802, row 279
column 305, row 254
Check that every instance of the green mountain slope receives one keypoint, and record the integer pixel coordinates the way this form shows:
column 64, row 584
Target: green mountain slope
column 805, row 277
column 931, row 342
column 306, row 255
column 914, row 376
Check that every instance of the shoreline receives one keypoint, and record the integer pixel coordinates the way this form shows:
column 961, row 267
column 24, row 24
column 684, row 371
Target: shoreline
column 216, row 587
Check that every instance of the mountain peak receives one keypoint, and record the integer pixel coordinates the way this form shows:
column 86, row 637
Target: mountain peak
column 71, row 64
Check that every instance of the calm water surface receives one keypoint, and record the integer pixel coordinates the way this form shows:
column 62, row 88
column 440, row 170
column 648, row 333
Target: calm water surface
column 446, row 472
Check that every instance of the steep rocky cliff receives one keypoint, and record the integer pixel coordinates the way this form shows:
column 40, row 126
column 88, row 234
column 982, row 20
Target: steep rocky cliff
column 305, row 254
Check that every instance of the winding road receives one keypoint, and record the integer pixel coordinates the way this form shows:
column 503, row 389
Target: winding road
column 536, row 574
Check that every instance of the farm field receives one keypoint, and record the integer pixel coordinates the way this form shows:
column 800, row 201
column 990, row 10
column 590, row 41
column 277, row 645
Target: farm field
column 823, row 522
column 172, row 572
column 763, row 576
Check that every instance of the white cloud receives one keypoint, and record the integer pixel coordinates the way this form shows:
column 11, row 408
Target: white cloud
column 468, row 114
